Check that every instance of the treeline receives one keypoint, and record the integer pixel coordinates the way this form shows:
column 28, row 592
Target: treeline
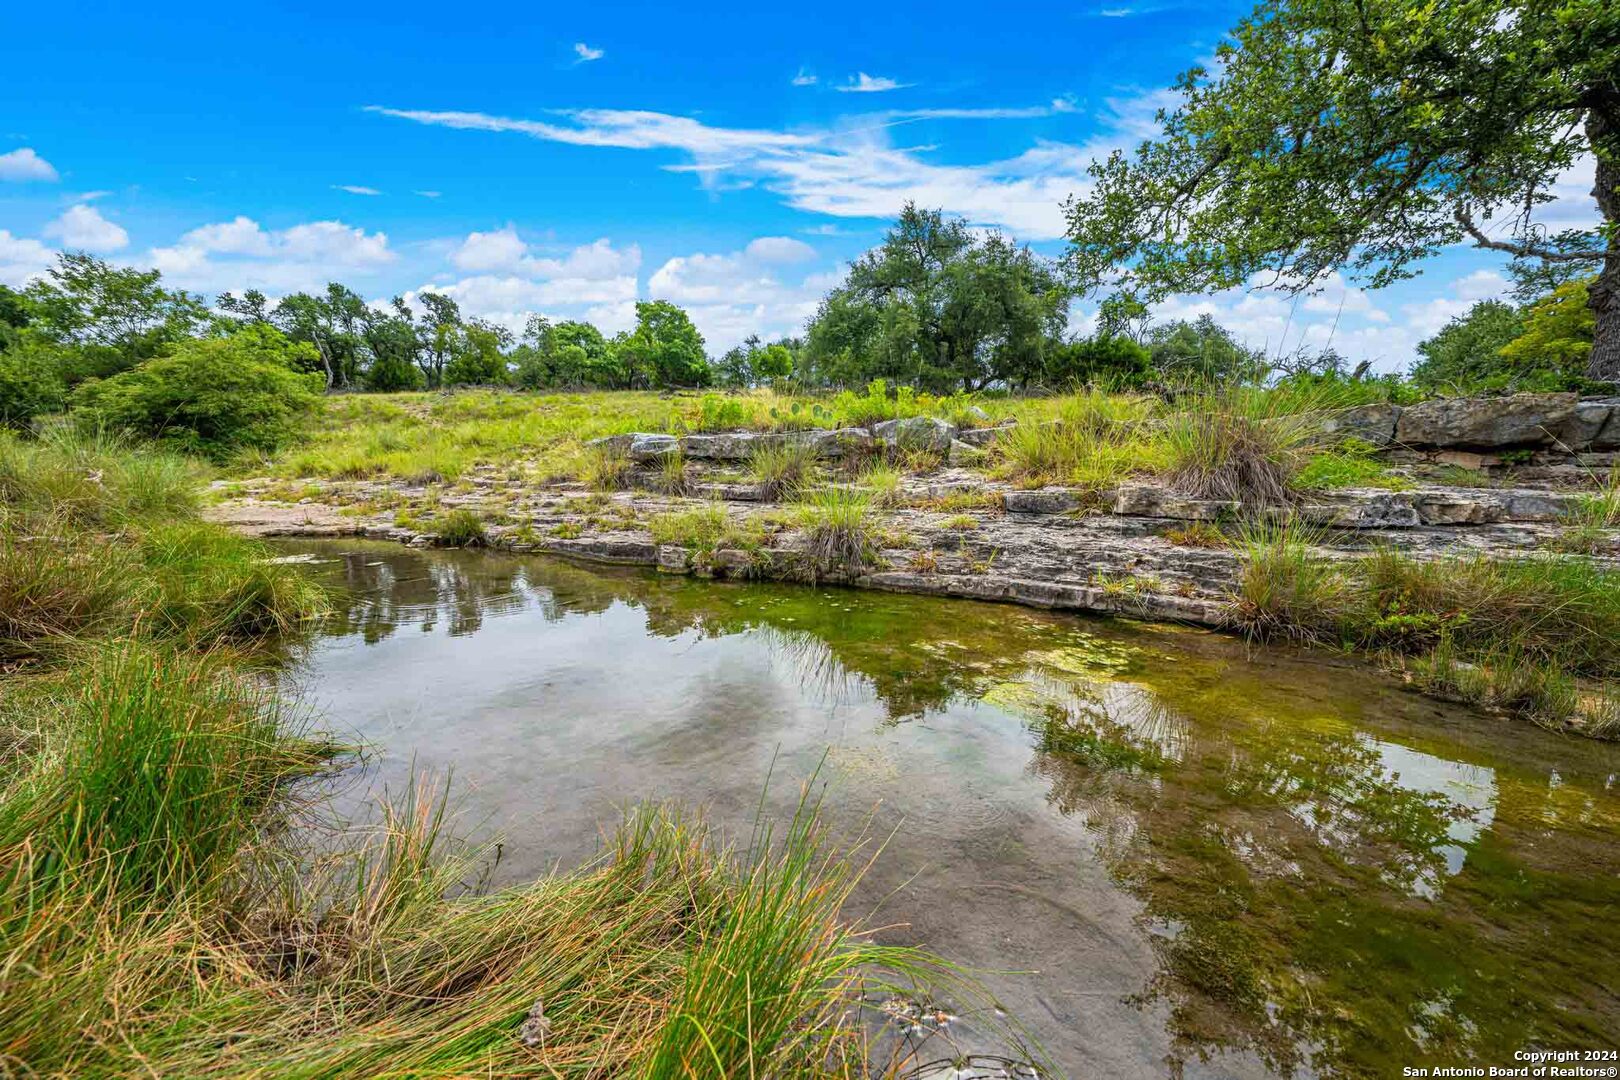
column 937, row 306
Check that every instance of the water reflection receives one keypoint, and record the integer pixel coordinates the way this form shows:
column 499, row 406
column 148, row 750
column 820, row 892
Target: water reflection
column 1302, row 868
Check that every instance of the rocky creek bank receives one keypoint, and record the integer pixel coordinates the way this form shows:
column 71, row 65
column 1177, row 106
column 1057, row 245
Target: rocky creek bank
column 1499, row 476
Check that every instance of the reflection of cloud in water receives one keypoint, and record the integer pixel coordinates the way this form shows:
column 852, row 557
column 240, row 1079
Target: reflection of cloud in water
column 1470, row 788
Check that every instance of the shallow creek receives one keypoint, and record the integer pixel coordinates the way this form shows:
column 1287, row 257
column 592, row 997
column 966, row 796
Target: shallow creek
column 1164, row 853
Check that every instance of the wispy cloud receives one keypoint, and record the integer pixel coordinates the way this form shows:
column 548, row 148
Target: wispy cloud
column 805, row 77
column 24, row 164
column 87, row 196
column 428, row 194
column 586, row 54
column 356, row 189
column 863, row 83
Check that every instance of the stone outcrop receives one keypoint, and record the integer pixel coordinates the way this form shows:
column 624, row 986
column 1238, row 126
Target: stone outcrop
column 1518, row 420
column 916, row 433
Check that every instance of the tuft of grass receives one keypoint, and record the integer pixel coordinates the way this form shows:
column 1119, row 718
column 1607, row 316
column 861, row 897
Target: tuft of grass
column 460, row 528
column 1242, row 445
column 882, row 482
column 606, row 469
column 1198, row 534
column 671, row 477
column 782, row 468
column 1587, row 525
column 840, row 535
column 1286, row 587
column 1351, row 464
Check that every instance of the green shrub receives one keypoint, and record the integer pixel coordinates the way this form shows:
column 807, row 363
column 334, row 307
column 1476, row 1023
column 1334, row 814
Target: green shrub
column 31, row 384
column 212, row 396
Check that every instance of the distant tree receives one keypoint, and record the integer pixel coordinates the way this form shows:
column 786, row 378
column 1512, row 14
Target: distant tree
column 112, row 317
column 1201, row 351
column 1465, row 354
column 251, row 306
column 942, row 307
column 14, row 309
column 391, row 341
column 479, row 355
column 438, row 330
column 1123, row 316
column 664, row 349
column 1370, row 134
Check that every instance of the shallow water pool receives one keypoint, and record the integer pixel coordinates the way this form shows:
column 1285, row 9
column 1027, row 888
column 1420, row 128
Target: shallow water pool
column 1165, row 854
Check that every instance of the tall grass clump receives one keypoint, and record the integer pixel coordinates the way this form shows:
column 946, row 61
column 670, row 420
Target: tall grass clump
column 606, row 468
column 1243, row 445
column 1287, row 588
column 781, row 467
column 460, row 528
column 100, row 540
column 840, row 534
column 1096, row 441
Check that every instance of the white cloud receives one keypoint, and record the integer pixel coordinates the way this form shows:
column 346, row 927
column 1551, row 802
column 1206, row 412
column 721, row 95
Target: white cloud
column 499, row 250
column 773, row 250
column 863, row 83
column 22, row 259
column 356, row 189
column 509, row 281
column 241, row 254
column 24, row 164
column 805, row 78
column 586, row 54
column 82, row 226
column 428, row 194
column 851, row 172
column 730, row 296
column 1067, row 103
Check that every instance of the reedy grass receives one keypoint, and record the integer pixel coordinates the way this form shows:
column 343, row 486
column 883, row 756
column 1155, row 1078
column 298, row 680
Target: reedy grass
column 1525, row 635
column 606, row 469
column 1242, row 444
column 839, row 531
column 782, row 468
column 460, row 528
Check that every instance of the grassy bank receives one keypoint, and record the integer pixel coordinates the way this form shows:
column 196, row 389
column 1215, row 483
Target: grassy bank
column 167, row 908
column 1535, row 637
column 1247, row 444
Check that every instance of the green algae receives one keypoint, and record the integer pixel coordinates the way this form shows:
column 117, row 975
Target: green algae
column 1335, row 876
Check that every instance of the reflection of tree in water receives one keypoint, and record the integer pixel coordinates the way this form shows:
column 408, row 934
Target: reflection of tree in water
column 1289, row 880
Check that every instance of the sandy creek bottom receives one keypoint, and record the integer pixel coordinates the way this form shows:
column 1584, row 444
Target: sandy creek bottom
column 1165, row 853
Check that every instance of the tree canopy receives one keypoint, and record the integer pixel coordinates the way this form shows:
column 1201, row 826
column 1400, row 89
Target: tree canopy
column 939, row 306
column 1367, row 135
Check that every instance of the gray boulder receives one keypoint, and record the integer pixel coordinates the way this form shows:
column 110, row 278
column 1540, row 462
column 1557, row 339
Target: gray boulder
column 1488, row 423
column 1374, row 424
column 646, row 449
column 916, row 433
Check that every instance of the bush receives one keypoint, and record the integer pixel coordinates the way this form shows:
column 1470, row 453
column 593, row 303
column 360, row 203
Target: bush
column 1241, row 445
column 211, row 396
column 30, row 384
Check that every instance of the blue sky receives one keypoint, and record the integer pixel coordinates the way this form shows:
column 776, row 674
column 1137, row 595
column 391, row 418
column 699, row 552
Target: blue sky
column 572, row 160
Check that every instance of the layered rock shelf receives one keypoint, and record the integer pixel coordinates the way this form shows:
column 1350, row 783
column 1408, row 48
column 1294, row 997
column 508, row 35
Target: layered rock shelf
column 1140, row 549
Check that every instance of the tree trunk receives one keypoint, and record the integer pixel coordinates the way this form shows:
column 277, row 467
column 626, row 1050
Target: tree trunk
column 1603, row 133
